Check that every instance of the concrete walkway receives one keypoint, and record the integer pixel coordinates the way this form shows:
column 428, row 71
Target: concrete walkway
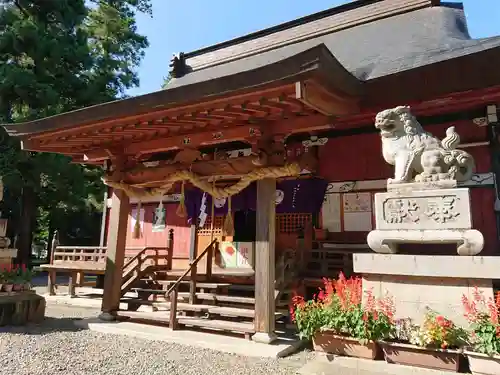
column 281, row 348
column 332, row 365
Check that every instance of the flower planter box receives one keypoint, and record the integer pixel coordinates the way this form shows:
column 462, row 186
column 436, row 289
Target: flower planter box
column 346, row 346
column 482, row 364
column 411, row 355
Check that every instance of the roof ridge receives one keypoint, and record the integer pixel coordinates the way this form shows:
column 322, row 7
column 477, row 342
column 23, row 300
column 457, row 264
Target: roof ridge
column 402, row 6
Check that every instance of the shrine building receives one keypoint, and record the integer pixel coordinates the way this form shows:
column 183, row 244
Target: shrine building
column 252, row 174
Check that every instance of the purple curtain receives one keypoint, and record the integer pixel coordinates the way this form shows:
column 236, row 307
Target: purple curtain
column 292, row 196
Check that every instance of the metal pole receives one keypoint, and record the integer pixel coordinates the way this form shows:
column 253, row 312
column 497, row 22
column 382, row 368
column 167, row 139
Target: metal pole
column 103, row 218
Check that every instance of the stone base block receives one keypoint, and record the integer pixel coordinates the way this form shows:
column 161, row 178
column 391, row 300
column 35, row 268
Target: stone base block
column 264, row 338
column 21, row 308
column 439, row 216
column 469, row 242
column 418, row 282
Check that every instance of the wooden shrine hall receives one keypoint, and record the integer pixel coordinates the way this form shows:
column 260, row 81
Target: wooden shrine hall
column 293, row 104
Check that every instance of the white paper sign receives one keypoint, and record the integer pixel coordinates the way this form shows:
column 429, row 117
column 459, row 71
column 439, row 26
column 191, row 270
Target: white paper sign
column 330, row 213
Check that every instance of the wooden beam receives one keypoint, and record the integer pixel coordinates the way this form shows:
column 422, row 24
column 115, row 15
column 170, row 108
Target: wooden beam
column 170, row 143
column 265, row 304
column 317, row 97
column 115, row 254
column 233, row 133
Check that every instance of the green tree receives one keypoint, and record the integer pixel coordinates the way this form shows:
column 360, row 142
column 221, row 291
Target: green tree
column 57, row 56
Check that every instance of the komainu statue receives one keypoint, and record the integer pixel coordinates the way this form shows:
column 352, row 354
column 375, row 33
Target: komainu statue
column 416, row 154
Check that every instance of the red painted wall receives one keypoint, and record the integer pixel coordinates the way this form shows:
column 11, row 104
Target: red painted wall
column 159, row 239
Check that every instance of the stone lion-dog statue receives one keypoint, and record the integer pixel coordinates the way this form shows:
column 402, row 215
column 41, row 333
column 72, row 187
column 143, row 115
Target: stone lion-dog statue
column 417, row 155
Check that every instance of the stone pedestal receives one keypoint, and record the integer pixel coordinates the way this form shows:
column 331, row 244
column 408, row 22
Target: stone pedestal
column 21, row 308
column 417, row 282
column 419, row 213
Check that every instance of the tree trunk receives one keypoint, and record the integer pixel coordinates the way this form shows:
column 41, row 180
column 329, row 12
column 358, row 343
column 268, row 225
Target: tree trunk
column 28, row 215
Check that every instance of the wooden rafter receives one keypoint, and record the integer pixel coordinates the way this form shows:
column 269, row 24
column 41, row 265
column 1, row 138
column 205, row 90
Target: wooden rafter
column 200, row 124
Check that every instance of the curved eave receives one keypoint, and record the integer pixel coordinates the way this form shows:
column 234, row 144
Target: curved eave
column 317, row 64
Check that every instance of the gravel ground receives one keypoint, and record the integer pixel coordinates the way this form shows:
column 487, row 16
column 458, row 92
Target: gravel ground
column 58, row 347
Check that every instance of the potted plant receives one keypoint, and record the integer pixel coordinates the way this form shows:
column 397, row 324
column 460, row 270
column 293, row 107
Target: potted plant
column 2, row 277
column 338, row 323
column 7, row 277
column 482, row 314
column 27, row 277
column 434, row 344
column 17, row 279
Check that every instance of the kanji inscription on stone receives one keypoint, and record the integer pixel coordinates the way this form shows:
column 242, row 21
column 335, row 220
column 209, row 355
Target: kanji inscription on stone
column 442, row 209
column 401, row 210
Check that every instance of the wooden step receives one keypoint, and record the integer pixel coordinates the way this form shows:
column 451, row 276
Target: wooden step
column 162, row 317
column 231, row 312
column 215, row 310
column 146, row 290
column 153, row 317
column 166, row 305
column 242, row 287
column 220, row 298
column 198, row 285
column 236, row 312
column 219, row 325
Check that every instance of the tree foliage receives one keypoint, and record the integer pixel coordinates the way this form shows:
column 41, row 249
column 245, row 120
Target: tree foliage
column 57, row 56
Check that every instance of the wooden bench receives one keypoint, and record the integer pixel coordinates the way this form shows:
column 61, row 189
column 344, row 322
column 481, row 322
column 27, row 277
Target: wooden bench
column 77, row 261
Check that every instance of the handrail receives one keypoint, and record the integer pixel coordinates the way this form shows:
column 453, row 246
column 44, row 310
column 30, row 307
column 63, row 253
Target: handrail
column 135, row 257
column 194, row 263
column 172, row 291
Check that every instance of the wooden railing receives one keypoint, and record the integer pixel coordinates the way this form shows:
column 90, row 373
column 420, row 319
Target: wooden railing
column 172, row 292
column 150, row 258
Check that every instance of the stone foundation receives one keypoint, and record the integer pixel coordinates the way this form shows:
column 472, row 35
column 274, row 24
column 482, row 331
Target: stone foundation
column 21, row 308
column 418, row 282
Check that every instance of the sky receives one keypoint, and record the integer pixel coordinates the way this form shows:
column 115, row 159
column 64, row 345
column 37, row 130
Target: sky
column 184, row 26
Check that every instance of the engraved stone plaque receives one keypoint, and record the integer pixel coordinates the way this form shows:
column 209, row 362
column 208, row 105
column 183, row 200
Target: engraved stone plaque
column 423, row 210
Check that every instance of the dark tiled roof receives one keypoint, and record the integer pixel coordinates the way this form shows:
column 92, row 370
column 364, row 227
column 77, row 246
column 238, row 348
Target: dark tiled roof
column 375, row 49
column 349, row 57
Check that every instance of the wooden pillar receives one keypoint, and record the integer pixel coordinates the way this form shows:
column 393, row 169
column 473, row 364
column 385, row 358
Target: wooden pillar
column 115, row 255
column 265, row 262
column 170, row 246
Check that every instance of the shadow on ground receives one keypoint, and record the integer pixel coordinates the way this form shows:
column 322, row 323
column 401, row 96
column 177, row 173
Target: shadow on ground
column 49, row 325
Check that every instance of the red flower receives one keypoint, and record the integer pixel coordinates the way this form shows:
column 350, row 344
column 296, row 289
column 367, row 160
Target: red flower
column 321, row 296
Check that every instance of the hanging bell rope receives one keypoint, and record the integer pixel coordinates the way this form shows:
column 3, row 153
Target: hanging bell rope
column 228, row 227
column 212, row 216
column 181, row 209
column 137, row 225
